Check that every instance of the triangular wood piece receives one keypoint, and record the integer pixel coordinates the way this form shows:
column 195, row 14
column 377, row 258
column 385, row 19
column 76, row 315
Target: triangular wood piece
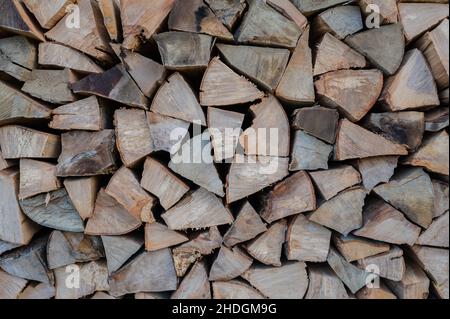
column 161, row 128
column 16, row 19
column 354, row 141
column 118, row 249
column 384, row 47
column 249, row 175
column 388, row 9
column 196, row 16
column 437, row 234
column 384, row 223
column 414, row 284
column 353, row 248
column 110, row 218
column 333, row 181
column 333, row 54
column 234, row 289
column 38, row 291
column 287, row 8
column 340, row 21
column 158, row 236
column 441, row 198
column 263, row 25
column 289, row 281
column 37, row 177
column 229, row 264
column 48, row 12
column 342, row 213
column 195, row 285
column 324, row 284
column 411, row 192
column 248, row 60
column 18, row 56
column 111, row 18
column 391, row 264
column 309, row 153
column 227, row 11
column 412, row 87
column 377, row 170
column 221, row 86
column 197, row 210
column 353, row 92
column 247, row 226
column 176, row 99
column 12, row 286
column 83, row 193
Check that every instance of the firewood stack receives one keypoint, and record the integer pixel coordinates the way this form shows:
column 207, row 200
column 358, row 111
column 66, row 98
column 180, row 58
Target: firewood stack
column 131, row 164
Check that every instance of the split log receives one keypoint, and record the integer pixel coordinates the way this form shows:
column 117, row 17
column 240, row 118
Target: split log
column 289, row 281
column 160, row 181
column 384, row 223
column 384, row 47
column 340, row 21
column 388, row 11
column 110, row 218
column 228, row 12
column 37, row 177
column 116, row 85
column 167, row 133
column 249, row 60
column 267, row 247
column 16, row 20
column 342, row 213
column 288, row 9
column 380, row 293
column 376, row 170
column 48, row 12
column 296, row 85
column 333, row 54
column 195, row 285
column 87, row 154
column 53, row 210
column 247, row 225
column 234, row 289
column 198, row 209
column 89, row 114
column 249, row 175
column 83, row 193
column 309, row 153
column 324, row 284
column 414, row 284
column 437, row 119
column 4, row 164
column 441, row 198
column 353, row 92
column 331, row 182
column 5, row 246
column 307, row 241
column 317, row 121
column 437, row 234
column 261, row 20
column 118, row 249
column 158, row 236
column 18, row 56
column 148, row 272
column 412, row 87
column 353, row 142
column 56, row 55
column 410, row 191
column 229, row 264
column 176, row 99
column 39, row 291
column 111, row 18
column 353, row 248
column 221, row 86
column 12, row 286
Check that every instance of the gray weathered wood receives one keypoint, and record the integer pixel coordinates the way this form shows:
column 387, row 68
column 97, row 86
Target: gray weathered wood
column 309, row 153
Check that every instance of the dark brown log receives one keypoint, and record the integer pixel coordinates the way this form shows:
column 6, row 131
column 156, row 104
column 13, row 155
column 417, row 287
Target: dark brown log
column 340, row 21
column 318, row 121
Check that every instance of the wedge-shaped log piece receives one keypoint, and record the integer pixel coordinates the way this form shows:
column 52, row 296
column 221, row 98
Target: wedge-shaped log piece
column 416, row 18
column 249, row 175
column 388, row 11
column 340, row 21
column 288, row 9
column 267, row 247
column 333, row 54
column 292, row 196
column 176, row 98
column 414, row 284
column 380, row 293
column 118, row 249
column 111, row 18
column 193, row 50
column 161, row 129
column 437, row 234
column 234, row 289
column 158, row 236
column 12, row 286
column 48, row 12
column 342, row 213
column 248, row 61
column 307, row 241
column 110, row 218
column 353, row 92
column 289, row 281
column 228, row 11
column 197, row 210
column 331, row 182
column 437, row 119
column 83, row 193
column 57, row 55
column 124, row 187
column 309, row 153
column 441, row 198
column 269, row 134
column 377, row 170
column 384, row 47
column 116, row 84
column 38, row 291
column 247, row 225
column 87, row 154
column 221, row 86
column 320, row 122
column 196, row 16
column 384, row 223
column 263, row 25
column 412, row 87
column 406, row 128
column 353, row 248
column 432, row 154
column 37, row 177
column 296, row 86
column 198, row 166
column 353, row 142
column 324, row 284
column 148, row 272
column 390, row 264
column 18, row 56
column 89, row 114
column 141, row 19
column 15, row 19
column 53, row 210
column 229, row 264
column 195, row 285
column 4, row 164
column 410, row 191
